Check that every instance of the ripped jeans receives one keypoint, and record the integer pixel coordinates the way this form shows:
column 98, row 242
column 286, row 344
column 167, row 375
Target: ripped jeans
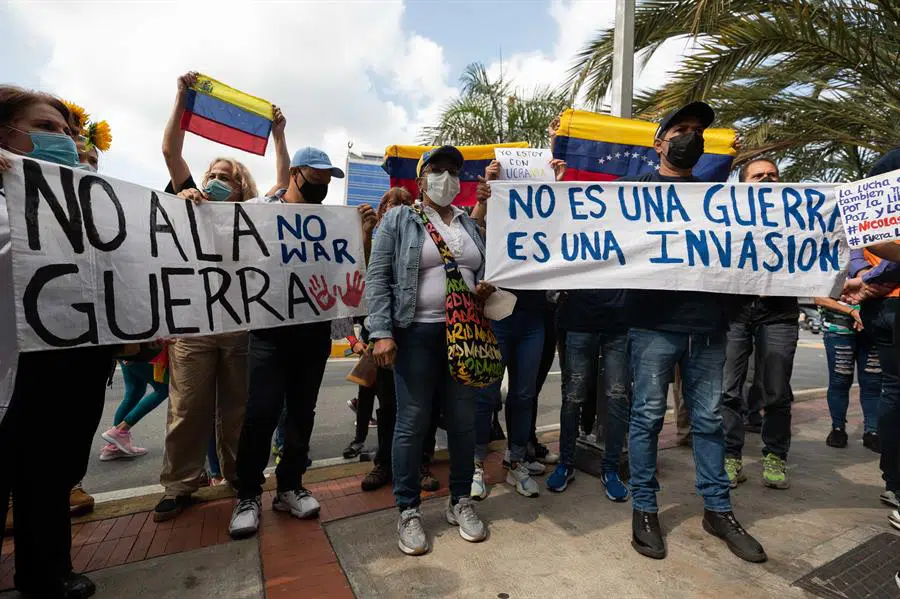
column 582, row 350
column 846, row 353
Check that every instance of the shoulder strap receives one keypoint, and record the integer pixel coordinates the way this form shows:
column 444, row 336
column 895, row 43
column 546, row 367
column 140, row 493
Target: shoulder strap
column 450, row 264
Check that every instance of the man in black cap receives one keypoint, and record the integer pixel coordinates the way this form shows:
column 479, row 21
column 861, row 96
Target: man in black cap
column 684, row 328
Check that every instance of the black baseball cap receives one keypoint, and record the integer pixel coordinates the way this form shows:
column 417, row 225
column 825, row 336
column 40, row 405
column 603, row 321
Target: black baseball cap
column 699, row 110
column 430, row 156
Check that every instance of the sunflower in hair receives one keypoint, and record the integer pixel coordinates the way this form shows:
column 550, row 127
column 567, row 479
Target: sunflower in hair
column 79, row 115
column 99, row 135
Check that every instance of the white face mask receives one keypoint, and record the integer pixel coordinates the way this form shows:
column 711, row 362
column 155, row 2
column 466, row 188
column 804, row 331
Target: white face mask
column 442, row 188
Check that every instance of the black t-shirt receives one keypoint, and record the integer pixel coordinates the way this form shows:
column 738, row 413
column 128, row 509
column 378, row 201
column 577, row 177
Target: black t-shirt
column 593, row 310
column 188, row 184
column 531, row 301
column 677, row 311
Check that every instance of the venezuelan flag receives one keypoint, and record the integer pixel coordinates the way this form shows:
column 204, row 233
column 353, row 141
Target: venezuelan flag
column 400, row 164
column 599, row 147
column 225, row 115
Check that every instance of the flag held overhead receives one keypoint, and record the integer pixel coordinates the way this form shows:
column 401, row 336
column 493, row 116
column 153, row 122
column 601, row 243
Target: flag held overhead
column 228, row 116
column 400, row 163
column 599, row 147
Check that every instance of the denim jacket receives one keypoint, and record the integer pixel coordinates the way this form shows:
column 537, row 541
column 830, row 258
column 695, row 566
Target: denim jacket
column 392, row 278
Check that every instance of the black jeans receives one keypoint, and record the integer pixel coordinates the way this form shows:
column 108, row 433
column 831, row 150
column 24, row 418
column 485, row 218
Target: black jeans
column 285, row 368
column 547, row 355
column 776, row 344
column 59, row 393
column 387, row 415
column 365, row 405
column 879, row 318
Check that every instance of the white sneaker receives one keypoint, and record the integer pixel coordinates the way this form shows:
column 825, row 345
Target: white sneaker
column 479, row 487
column 890, row 498
column 894, row 519
column 298, row 502
column 520, row 478
column 245, row 518
column 534, row 467
column 411, row 533
column 471, row 528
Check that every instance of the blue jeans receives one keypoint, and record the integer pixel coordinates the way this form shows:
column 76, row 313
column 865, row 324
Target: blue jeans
column 420, row 372
column 521, row 339
column 846, row 353
column 700, row 358
column 582, row 350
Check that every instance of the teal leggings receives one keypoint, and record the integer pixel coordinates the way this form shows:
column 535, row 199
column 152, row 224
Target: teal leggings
column 135, row 405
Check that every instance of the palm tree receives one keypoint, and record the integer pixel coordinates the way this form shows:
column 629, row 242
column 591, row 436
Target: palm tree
column 812, row 83
column 490, row 111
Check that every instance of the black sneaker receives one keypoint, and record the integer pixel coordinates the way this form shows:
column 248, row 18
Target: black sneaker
column 427, row 480
column 646, row 534
column 170, row 506
column 725, row 526
column 378, row 477
column 353, row 450
column 837, row 438
column 69, row 586
column 871, row 441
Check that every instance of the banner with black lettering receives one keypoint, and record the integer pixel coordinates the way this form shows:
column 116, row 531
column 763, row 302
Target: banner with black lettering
column 102, row 261
column 753, row 239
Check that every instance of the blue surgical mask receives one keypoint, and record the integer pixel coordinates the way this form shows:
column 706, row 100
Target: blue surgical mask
column 54, row 147
column 218, row 191
column 87, row 167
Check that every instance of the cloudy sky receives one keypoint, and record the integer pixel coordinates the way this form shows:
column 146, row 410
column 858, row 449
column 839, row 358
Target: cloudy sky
column 367, row 72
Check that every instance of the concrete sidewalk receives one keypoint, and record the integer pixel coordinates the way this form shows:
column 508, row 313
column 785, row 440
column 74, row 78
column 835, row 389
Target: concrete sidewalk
column 576, row 543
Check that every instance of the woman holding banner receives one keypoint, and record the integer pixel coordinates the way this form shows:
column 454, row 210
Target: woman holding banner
column 207, row 375
column 418, row 252
column 39, row 126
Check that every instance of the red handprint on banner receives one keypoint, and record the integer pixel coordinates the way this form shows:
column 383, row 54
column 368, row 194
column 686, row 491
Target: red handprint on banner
column 354, row 293
column 321, row 294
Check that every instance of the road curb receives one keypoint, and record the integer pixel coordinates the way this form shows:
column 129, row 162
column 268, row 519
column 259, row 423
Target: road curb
column 142, row 499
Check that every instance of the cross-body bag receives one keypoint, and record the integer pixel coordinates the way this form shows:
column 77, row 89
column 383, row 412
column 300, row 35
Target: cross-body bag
column 473, row 353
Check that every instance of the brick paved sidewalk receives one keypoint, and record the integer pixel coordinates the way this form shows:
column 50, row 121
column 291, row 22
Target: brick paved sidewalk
column 297, row 557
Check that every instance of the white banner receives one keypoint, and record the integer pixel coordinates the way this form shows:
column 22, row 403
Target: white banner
column 102, row 261
column 870, row 209
column 755, row 239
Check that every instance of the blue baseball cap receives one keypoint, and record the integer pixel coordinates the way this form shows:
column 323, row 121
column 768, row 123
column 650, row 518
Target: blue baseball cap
column 315, row 158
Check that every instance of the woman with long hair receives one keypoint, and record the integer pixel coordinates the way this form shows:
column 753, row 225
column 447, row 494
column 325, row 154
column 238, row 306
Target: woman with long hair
column 207, row 374
column 39, row 126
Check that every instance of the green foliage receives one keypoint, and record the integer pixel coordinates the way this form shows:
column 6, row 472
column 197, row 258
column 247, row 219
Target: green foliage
column 814, row 84
column 490, row 111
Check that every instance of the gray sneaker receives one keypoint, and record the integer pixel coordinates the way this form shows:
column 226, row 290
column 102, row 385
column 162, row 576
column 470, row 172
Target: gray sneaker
column 298, row 502
column 471, row 528
column 245, row 518
column 890, row 498
column 411, row 533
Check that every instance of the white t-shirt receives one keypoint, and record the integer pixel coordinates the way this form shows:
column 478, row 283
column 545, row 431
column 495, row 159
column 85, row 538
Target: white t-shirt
column 432, row 292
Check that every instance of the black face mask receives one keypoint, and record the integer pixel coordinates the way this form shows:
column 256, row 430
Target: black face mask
column 314, row 193
column 685, row 150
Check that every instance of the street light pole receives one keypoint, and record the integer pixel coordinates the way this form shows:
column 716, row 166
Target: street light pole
column 623, row 59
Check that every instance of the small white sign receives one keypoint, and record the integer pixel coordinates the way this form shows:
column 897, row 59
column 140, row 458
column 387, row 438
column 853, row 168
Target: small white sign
column 524, row 164
column 870, row 209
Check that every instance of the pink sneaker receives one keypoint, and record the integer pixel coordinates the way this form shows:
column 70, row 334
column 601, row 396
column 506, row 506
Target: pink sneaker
column 122, row 440
column 111, row 452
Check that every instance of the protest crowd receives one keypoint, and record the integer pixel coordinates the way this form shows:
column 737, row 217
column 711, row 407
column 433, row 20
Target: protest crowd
column 235, row 398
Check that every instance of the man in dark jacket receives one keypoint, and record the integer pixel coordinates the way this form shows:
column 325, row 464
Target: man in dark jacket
column 686, row 328
column 772, row 323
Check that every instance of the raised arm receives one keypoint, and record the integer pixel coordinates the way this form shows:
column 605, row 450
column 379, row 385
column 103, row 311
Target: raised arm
column 282, row 157
column 173, row 138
